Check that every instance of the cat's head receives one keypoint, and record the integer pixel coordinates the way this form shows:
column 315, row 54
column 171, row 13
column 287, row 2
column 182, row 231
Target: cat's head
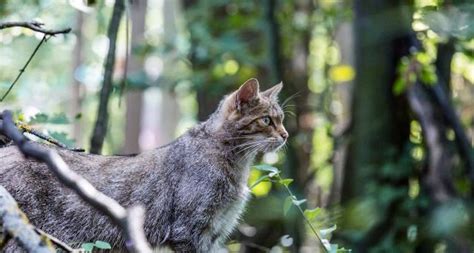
column 253, row 119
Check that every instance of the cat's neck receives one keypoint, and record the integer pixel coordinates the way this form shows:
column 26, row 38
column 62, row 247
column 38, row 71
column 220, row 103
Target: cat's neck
column 232, row 147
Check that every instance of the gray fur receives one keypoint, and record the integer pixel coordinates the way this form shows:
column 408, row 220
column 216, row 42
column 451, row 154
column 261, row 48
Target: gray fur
column 194, row 189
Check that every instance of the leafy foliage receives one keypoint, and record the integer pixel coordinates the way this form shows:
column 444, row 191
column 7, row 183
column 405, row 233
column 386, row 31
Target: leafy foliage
column 273, row 175
column 89, row 246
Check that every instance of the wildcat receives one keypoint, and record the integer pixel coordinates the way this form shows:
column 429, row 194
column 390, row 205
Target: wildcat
column 194, row 189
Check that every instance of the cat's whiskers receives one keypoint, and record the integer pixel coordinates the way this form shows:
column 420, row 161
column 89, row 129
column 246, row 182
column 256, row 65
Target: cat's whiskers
column 245, row 144
column 239, row 138
column 288, row 99
column 291, row 113
column 247, row 156
column 249, row 146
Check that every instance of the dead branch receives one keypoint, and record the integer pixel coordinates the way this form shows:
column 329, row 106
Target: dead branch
column 35, row 26
column 25, row 128
column 130, row 221
column 16, row 226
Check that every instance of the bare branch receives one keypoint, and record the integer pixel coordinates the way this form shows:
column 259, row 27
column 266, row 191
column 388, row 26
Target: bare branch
column 16, row 226
column 130, row 221
column 35, row 26
column 25, row 128
column 24, row 67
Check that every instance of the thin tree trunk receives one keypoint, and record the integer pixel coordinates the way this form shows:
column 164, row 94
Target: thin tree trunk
column 169, row 108
column 134, row 97
column 345, row 40
column 76, row 99
column 100, row 128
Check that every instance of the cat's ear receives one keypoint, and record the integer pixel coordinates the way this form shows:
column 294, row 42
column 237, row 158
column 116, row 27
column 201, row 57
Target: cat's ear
column 247, row 92
column 273, row 92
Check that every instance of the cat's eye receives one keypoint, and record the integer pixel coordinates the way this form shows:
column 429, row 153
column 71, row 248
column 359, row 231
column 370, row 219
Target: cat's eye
column 266, row 120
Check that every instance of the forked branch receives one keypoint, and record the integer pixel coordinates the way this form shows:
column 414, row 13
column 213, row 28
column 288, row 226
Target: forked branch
column 35, row 26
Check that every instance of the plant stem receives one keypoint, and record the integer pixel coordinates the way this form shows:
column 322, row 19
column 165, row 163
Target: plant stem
column 304, row 217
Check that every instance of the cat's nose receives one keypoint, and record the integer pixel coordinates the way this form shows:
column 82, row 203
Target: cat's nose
column 284, row 134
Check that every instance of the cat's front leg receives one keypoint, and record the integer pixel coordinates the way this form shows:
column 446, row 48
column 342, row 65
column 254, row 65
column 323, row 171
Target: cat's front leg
column 209, row 243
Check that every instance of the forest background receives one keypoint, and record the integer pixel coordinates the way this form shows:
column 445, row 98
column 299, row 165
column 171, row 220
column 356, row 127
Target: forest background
column 378, row 98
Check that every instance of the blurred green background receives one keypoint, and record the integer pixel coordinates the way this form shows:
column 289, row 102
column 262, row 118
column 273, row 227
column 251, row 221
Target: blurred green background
column 378, row 100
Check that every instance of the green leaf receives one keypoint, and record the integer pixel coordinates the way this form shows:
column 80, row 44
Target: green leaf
column 258, row 181
column 42, row 118
column 298, row 202
column 102, row 245
column 39, row 118
column 327, row 232
column 399, row 87
column 273, row 174
column 343, row 250
column 287, row 204
column 311, row 214
column 286, row 182
column 267, row 168
column 59, row 118
column 87, row 246
column 63, row 138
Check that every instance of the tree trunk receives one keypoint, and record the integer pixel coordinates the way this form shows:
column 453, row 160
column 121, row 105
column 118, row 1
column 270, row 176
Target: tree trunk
column 169, row 107
column 380, row 123
column 76, row 87
column 134, row 97
column 100, row 128
column 345, row 40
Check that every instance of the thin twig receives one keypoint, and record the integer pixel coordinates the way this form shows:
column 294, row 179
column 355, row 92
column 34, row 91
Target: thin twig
column 256, row 246
column 25, row 128
column 24, row 67
column 130, row 221
column 35, row 26
column 54, row 240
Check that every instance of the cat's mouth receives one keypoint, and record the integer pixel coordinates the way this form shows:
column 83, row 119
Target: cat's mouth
column 274, row 145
